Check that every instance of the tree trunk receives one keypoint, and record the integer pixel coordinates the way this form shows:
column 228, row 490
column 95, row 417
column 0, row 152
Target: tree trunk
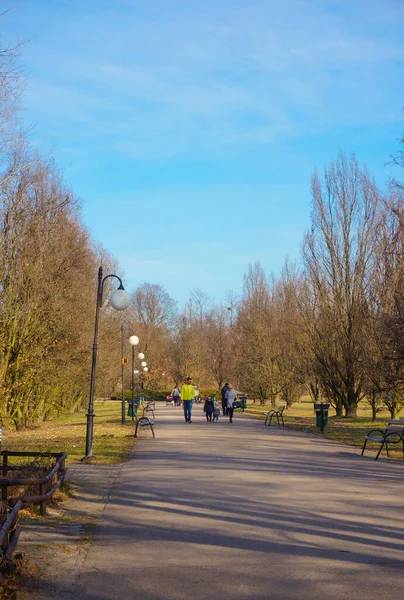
column 272, row 398
column 350, row 411
column 338, row 409
column 374, row 412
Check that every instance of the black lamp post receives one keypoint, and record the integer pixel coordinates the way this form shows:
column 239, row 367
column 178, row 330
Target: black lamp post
column 133, row 341
column 118, row 300
column 123, row 360
column 144, row 368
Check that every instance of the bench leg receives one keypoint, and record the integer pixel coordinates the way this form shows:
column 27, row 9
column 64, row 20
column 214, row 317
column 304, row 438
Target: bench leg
column 266, row 420
column 152, row 430
column 283, row 422
column 364, row 446
column 136, row 428
column 380, row 449
column 270, row 420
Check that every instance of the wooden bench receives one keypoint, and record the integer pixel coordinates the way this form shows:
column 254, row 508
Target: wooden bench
column 277, row 413
column 392, row 434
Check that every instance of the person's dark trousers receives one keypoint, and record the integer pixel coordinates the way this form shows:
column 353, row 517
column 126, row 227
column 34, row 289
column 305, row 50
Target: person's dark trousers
column 230, row 412
column 224, row 408
column 187, row 410
column 209, row 416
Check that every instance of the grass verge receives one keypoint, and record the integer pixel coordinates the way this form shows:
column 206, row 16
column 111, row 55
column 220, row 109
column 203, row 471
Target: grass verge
column 111, row 443
column 301, row 417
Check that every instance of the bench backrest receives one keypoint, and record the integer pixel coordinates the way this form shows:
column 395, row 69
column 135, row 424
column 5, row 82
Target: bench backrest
column 396, row 425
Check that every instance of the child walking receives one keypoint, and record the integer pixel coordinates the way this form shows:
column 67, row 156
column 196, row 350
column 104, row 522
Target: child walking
column 208, row 408
column 216, row 411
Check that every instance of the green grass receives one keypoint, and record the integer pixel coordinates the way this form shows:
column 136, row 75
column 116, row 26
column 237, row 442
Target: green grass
column 301, row 417
column 111, row 443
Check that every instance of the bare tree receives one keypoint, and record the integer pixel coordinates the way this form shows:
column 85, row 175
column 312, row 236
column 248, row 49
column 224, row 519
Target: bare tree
column 338, row 254
column 288, row 331
column 384, row 342
column 153, row 318
column 256, row 358
column 11, row 82
column 221, row 344
column 232, row 303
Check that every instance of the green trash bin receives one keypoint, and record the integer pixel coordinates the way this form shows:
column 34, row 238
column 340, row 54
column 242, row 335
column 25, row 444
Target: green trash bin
column 243, row 401
column 321, row 409
column 133, row 405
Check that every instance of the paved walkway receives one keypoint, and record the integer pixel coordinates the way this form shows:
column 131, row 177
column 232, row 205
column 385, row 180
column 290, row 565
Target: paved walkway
column 243, row 512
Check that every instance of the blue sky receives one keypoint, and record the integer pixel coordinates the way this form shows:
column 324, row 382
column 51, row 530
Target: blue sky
column 190, row 128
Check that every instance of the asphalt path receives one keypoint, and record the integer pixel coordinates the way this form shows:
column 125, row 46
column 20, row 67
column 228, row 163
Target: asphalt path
column 246, row 512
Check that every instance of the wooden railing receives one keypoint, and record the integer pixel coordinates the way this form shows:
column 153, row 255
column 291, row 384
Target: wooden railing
column 9, row 534
column 47, row 485
column 10, row 505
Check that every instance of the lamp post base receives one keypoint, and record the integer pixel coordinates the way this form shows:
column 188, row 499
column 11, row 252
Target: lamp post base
column 88, row 459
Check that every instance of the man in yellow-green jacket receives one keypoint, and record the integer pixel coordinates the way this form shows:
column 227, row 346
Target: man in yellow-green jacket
column 187, row 397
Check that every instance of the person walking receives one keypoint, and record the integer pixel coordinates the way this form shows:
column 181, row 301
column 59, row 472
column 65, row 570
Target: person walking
column 223, row 393
column 216, row 411
column 231, row 396
column 197, row 397
column 208, row 408
column 176, row 394
column 187, row 396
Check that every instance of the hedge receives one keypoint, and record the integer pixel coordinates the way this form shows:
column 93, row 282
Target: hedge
column 159, row 396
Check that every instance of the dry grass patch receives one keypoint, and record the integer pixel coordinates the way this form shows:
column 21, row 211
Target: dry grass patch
column 111, row 444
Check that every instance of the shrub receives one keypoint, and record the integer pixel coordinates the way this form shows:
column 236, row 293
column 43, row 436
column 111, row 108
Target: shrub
column 204, row 393
column 160, row 395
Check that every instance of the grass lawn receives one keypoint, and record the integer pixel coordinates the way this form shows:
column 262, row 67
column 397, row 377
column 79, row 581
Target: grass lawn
column 111, row 444
column 301, row 416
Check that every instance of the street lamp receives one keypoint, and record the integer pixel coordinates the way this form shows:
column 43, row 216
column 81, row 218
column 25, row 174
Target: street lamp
column 119, row 300
column 133, row 341
column 230, row 309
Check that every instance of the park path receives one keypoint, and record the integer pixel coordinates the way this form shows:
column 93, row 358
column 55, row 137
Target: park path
column 245, row 512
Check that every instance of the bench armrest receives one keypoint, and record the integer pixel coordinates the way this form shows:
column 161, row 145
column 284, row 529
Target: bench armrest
column 373, row 431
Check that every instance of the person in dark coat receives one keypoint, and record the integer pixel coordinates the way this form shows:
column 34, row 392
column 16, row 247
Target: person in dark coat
column 223, row 393
column 208, row 408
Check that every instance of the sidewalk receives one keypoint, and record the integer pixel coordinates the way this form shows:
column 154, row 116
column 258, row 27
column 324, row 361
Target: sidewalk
column 236, row 511
column 56, row 545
